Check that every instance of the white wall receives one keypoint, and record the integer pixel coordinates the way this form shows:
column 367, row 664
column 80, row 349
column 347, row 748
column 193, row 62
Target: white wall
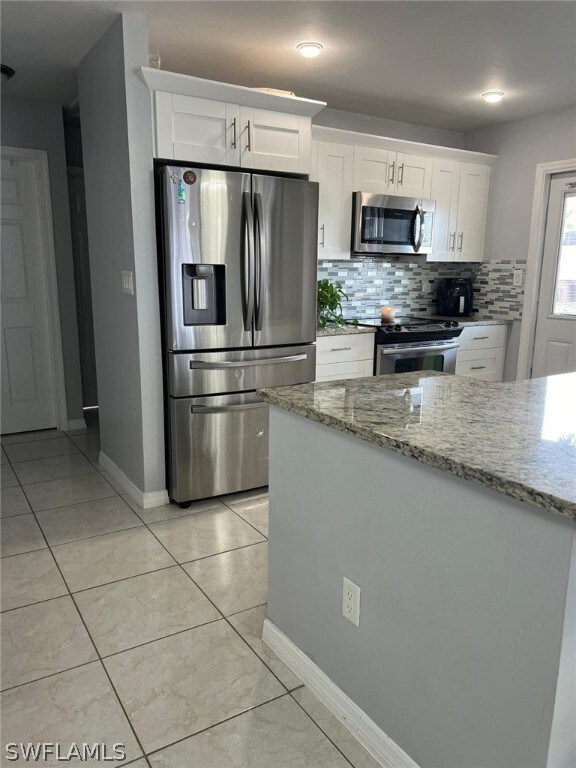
column 379, row 126
column 117, row 143
column 520, row 146
column 34, row 125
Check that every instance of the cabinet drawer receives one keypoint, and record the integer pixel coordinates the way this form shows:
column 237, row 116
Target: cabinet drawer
column 338, row 349
column 352, row 369
column 482, row 337
column 485, row 364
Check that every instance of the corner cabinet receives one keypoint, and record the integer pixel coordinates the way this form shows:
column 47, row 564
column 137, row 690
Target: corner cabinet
column 461, row 194
column 203, row 121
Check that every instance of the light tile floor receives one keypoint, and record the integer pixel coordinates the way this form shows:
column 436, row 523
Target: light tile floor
column 144, row 626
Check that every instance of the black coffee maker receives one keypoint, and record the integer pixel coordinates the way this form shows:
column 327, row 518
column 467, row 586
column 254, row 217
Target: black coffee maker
column 454, row 297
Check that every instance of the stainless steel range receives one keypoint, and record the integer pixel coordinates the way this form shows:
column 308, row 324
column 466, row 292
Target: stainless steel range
column 414, row 344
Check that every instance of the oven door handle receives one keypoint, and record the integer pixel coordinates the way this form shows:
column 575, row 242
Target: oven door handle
column 418, row 216
column 401, row 349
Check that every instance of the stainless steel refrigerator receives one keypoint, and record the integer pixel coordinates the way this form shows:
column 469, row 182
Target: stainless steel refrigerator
column 239, row 299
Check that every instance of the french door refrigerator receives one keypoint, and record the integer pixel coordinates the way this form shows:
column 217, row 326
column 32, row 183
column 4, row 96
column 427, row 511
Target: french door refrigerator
column 239, row 285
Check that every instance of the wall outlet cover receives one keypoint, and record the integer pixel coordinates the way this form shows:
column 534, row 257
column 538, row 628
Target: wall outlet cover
column 351, row 601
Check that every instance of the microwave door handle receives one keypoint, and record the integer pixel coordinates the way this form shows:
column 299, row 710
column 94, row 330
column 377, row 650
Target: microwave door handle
column 248, row 262
column 261, row 260
column 418, row 217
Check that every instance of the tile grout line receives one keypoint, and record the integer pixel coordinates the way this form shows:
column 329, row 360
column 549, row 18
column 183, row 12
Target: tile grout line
column 99, row 658
column 219, row 611
column 318, row 725
column 209, row 727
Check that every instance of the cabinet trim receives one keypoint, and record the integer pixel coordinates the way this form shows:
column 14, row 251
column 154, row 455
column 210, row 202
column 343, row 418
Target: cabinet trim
column 187, row 85
column 369, row 140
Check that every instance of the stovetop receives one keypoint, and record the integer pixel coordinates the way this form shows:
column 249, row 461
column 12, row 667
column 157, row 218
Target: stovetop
column 410, row 329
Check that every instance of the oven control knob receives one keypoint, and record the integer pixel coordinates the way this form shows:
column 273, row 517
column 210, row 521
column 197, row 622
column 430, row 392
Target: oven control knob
column 455, row 324
column 447, row 324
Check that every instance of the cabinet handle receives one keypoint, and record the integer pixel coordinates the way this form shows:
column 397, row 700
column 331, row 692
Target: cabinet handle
column 460, row 240
column 340, row 349
column 391, row 179
column 249, row 145
column 452, row 241
column 323, row 228
column 479, row 338
column 477, row 367
column 401, row 174
column 234, row 137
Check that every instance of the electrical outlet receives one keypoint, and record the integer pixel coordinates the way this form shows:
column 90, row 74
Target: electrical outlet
column 351, row 601
column 518, row 277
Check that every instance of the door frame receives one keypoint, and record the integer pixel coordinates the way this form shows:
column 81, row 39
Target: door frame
column 39, row 157
column 544, row 173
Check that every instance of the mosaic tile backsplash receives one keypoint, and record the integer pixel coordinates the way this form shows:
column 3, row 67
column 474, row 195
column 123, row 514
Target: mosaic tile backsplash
column 410, row 285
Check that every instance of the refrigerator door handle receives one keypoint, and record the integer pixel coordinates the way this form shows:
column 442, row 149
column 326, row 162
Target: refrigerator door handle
column 202, row 364
column 261, row 260
column 204, row 409
column 248, row 262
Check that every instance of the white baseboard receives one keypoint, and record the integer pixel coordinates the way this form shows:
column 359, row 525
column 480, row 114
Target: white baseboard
column 74, row 424
column 385, row 751
column 145, row 499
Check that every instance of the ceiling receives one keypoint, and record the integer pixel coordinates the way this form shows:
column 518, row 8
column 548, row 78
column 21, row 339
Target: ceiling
column 425, row 62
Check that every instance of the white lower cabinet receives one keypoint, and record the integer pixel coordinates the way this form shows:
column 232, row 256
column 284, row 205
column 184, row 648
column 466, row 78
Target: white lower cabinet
column 481, row 352
column 349, row 356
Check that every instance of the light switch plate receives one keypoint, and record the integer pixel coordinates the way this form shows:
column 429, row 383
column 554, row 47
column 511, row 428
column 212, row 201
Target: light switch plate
column 127, row 282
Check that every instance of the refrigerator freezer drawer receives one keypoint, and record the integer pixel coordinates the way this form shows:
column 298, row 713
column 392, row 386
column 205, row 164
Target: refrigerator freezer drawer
column 206, row 373
column 218, row 445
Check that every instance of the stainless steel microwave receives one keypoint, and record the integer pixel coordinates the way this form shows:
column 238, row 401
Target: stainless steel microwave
column 389, row 224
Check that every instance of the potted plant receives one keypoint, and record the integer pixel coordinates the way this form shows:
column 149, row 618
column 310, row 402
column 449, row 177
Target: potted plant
column 329, row 304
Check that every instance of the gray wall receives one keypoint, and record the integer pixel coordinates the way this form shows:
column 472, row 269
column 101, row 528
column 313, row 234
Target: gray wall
column 520, row 146
column 34, row 125
column 117, row 143
column 379, row 126
column 463, row 595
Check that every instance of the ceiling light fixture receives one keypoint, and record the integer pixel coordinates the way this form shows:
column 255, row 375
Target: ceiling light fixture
column 493, row 97
column 7, row 73
column 310, row 50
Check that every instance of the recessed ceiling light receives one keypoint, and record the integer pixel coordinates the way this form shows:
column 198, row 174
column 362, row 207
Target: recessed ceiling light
column 310, row 50
column 7, row 73
column 493, row 97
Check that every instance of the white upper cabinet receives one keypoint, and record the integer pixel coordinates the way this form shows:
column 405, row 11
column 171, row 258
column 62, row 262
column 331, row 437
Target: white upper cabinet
column 203, row 121
column 461, row 194
column 392, row 173
column 274, row 141
column 202, row 130
column 333, row 168
column 472, row 209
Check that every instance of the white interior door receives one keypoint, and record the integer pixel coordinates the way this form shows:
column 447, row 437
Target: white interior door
column 555, row 338
column 29, row 399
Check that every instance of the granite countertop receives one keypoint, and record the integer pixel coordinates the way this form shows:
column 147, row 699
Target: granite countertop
column 515, row 438
column 341, row 330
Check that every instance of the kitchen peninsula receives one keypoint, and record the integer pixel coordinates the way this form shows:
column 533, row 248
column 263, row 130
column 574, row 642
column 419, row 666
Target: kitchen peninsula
column 451, row 503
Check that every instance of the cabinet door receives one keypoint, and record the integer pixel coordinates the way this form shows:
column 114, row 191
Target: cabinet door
column 274, row 141
column 198, row 130
column 335, row 168
column 444, row 190
column 472, row 206
column 372, row 170
column 413, row 175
